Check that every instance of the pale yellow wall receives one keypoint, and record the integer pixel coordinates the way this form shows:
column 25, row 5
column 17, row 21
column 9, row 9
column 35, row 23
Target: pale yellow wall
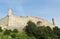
column 19, row 22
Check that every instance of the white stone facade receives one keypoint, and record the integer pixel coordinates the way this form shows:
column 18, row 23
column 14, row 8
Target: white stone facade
column 19, row 22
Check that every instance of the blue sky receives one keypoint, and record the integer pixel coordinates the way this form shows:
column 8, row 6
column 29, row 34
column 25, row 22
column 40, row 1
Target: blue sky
column 46, row 9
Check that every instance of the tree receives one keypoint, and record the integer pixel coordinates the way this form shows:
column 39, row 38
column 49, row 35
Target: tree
column 13, row 35
column 15, row 31
column 7, row 32
column 33, row 30
column 1, row 29
column 56, row 31
column 30, row 28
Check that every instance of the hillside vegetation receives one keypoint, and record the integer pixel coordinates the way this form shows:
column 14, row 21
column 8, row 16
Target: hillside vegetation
column 31, row 32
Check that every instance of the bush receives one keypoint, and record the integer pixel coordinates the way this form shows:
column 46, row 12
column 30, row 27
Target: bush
column 15, row 31
column 1, row 29
column 13, row 35
column 7, row 32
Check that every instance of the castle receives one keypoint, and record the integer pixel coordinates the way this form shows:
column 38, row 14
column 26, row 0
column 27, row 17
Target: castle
column 19, row 22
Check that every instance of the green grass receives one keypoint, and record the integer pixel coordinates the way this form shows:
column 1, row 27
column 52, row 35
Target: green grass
column 19, row 35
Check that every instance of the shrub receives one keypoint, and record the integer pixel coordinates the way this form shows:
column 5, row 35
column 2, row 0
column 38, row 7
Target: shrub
column 1, row 29
column 7, row 32
column 15, row 31
column 13, row 35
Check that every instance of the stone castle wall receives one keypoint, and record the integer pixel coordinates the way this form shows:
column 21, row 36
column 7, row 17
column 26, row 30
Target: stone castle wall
column 20, row 22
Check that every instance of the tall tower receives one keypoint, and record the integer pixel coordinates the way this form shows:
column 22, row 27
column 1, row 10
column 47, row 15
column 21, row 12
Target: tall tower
column 9, row 12
column 10, row 17
column 54, row 21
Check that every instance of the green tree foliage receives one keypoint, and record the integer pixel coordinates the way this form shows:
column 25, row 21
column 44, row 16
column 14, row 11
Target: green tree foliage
column 30, row 28
column 7, row 32
column 13, row 35
column 42, row 32
column 1, row 29
column 15, row 31
column 56, row 31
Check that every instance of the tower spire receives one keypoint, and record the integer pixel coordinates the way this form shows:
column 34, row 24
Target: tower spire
column 9, row 12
